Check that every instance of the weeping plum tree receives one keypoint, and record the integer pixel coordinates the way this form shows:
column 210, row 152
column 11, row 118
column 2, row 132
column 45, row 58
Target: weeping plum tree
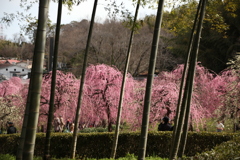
column 163, row 100
column 94, row 111
column 11, row 100
column 209, row 92
column 103, row 88
column 11, row 86
column 165, row 95
column 229, row 89
column 96, row 79
column 66, row 89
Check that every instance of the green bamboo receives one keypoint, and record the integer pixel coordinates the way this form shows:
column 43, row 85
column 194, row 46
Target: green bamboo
column 182, row 85
column 150, row 77
column 191, row 75
column 80, row 96
column 115, row 141
column 25, row 120
column 36, row 79
column 53, row 85
column 185, row 108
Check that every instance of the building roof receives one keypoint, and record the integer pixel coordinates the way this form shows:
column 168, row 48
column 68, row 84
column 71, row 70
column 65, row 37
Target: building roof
column 11, row 65
column 12, row 61
column 25, row 61
column 2, row 61
column 5, row 65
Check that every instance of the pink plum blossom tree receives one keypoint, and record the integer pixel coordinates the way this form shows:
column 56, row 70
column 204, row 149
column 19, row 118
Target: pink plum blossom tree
column 103, row 84
column 10, row 101
column 65, row 95
column 229, row 89
column 214, row 95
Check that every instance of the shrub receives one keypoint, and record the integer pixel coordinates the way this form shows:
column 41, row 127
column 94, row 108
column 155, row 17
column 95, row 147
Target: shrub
column 98, row 144
column 227, row 150
column 128, row 157
column 6, row 157
column 89, row 130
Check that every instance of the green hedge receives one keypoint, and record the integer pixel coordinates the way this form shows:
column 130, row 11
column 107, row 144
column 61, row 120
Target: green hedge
column 98, row 145
column 229, row 150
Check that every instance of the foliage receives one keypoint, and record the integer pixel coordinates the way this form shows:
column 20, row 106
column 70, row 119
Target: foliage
column 219, row 33
column 2, row 78
column 226, row 150
column 93, row 129
column 16, row 48
column 6, row 157
column 127, row 157
column 11, row 146
column 31, row 29
column 25, row 16
column 98, row 144
column 210, row 125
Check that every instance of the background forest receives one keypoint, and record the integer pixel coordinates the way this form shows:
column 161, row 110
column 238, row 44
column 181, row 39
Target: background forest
column 219, row 43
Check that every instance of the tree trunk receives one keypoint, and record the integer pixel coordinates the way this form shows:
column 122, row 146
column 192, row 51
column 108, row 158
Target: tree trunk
column 183, row 83
column 185, row 106
column 80, row 96
column 115, row 141
column 192, row 67
column 36, row 80
column 53, row 85
column 25, row 120
column 150, row 77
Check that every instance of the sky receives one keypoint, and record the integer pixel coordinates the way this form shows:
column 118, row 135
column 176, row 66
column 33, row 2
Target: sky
column 82, row 11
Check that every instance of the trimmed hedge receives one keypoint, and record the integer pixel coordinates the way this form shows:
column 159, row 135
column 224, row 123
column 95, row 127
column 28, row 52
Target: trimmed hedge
column 98, row 145
column 128, row 157
column 229, row 150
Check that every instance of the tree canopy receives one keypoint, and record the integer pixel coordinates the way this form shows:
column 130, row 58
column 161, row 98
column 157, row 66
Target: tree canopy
column 102, row 89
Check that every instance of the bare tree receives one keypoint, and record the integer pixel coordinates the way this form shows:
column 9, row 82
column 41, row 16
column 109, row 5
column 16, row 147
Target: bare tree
column 109, row 45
